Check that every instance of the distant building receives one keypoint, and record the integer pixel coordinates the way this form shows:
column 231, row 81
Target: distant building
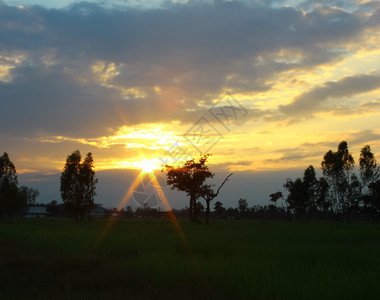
column 36, row 212
column 99, row 212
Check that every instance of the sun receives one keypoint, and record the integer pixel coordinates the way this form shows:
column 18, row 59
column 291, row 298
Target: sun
column 148, row 166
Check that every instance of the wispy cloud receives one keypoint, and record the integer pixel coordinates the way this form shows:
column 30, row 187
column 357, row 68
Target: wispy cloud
column 311, row 102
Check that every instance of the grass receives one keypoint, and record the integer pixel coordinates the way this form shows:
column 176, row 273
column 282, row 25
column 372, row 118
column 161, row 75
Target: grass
column 148, row 259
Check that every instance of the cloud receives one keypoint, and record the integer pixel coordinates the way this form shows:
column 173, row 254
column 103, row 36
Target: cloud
column 373, row 105
column 311, row 102
column 364, row 137
column 86, row 68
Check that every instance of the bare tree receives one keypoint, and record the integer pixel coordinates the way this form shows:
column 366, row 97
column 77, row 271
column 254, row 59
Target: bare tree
column 208, row 194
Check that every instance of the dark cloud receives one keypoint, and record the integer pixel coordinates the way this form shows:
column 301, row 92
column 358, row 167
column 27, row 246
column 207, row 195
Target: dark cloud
column 364, row 137
column 310, row 102
column 374, row 105
column 190, row 51
column 305, row 151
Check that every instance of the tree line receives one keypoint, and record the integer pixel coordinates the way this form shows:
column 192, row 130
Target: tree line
column 341, row 192
column 78, row 184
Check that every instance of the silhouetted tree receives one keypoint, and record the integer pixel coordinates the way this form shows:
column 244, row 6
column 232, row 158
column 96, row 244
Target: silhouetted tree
column 297, row 197
column 369, row 170
column 219, row 209
column 190, row 178
column 78, row 183
column 374, row 198
column 340, row 193
column 354, row 197
column 275, row 197
column 208, row 194
column 232, row 213
column 28, row 195
column 310, row 183
column 199, row 208
column 10, row 202
column 128, row 211
column 242, row 206
column 336, row 167
column 322, row 202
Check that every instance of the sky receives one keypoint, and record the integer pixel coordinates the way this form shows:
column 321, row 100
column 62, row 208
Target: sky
column 267, row 87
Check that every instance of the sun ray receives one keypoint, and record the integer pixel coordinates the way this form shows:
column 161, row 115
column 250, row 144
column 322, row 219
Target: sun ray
column 173, row 220
column 122, row 204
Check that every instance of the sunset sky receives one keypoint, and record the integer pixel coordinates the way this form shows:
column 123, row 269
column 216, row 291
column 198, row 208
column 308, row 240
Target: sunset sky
column 134, row 81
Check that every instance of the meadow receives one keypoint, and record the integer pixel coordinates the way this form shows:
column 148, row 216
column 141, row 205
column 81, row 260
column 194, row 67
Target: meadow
column 154, row 259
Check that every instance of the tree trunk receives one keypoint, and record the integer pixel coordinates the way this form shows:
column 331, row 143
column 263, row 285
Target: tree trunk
column 192, row 209
column 195, row 211
column 207, row 211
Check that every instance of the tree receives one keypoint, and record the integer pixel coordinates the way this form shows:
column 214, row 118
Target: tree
column 310, row 183
column 322, row 202
column 9, row 200
column 336, row 167
column 219, row 209
column 354, row 196
column 128, row 211
column 88, row 182
column 28, row 195
column 208, row 194
column 190, row 178
column 297, row 197
column 275, row 197
column 374, row 197
column 199, row 208
column 369, row 170
column 78, row 184
column 242, row 206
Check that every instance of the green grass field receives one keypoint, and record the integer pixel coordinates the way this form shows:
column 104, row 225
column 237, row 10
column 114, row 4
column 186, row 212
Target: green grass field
column 150, row 259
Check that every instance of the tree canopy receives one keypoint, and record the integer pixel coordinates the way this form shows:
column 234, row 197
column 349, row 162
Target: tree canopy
column 11, row 201
column 78, row 184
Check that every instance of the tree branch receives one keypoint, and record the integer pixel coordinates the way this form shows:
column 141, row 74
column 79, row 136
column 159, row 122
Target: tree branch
column 217, row 192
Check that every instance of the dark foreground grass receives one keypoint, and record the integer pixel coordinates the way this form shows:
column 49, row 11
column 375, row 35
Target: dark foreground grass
column 148, row 259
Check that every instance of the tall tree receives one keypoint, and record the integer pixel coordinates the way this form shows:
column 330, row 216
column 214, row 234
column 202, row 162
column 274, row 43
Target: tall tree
column 190, row 178
column 78, row 183
column 297, row 197
column 322, row 201
column 88, row 182
column 369, row 170
column 7, row 170
column 374, row 198
column 9, row 200
column 336, row 167
column 354, row 196
column 310, row 183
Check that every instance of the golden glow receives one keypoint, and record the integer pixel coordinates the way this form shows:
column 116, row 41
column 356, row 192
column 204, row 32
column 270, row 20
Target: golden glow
column 148, row 166
column 147, row 136
column 105, row 71
column 269, row 141
column 7, row 63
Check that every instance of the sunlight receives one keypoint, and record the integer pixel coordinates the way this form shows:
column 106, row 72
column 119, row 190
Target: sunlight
column 148, row 166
